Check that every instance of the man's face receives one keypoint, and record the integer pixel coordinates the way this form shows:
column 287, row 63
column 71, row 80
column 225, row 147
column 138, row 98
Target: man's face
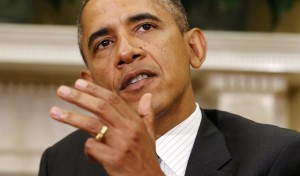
column 134, row 47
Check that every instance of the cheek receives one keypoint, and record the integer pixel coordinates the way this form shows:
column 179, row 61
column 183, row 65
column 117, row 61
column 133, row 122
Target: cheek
column 103, row 74
column 173, row 56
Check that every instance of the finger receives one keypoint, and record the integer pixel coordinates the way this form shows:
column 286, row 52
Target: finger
column 111, row 98
column 98, row 151
column 145, row 110
column 103, row 110
column 89, row 124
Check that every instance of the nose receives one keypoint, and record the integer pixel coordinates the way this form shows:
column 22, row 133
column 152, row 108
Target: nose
column 129, row 50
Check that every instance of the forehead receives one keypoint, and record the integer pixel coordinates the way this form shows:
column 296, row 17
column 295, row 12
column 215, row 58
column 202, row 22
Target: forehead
column 103, row 12
column 107, row 5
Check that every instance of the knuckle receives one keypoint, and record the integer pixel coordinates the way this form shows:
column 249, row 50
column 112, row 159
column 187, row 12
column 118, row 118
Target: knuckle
column 127, row 147
column 92, row 88
column 88, row 146
column 76, row 95
column 102, row 105
column 119, row 159
column 67, row 115
column 133, row 135
column 113, row 98
column 93, row 127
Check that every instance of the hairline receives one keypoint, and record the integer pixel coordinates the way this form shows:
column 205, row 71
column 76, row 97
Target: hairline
column 175, row 9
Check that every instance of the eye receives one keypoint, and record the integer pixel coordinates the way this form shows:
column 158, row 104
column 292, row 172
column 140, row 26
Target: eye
column 145, row 27
column 103, row 44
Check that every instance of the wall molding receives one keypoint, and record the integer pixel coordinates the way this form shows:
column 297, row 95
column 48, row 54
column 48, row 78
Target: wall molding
column 38, row 44
column 239, row 51
column 249, row 51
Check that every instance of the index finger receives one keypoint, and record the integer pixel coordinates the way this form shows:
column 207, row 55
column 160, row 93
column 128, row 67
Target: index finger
column 97, row 106
column 111, row 98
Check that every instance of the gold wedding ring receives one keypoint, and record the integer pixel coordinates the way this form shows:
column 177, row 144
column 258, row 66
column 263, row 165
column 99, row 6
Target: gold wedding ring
column 101, row 133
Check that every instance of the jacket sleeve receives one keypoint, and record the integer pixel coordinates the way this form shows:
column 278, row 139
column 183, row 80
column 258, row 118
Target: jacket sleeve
column 288, row 161
column 43, row 170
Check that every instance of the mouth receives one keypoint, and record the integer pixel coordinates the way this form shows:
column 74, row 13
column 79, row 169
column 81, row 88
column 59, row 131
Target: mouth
column 135, row 78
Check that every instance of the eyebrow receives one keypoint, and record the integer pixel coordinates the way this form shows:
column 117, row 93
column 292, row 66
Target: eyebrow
column 143, row 16
column 98, row 33
column 131, row 19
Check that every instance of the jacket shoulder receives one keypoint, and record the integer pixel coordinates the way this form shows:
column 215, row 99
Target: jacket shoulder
column 250, row 143
column 233, row 124
column 63, row 157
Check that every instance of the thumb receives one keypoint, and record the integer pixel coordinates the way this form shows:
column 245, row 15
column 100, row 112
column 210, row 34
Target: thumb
column 145, row 110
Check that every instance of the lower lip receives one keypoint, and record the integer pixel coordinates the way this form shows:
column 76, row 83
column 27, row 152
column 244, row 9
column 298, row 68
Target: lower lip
column 138, row 85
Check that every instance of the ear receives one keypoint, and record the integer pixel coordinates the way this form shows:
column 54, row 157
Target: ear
column 87, row 75
column 197, row 46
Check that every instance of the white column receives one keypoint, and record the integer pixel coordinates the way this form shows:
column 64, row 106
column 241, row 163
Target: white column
column 261, row 98
column 26, row 129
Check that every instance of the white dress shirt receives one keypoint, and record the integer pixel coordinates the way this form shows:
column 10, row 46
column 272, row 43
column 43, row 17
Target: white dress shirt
column 174, row 147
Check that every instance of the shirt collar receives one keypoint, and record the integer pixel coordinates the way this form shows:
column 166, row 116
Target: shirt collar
column 174, row 147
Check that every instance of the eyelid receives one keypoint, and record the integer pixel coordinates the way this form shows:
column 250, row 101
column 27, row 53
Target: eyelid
column 96, row 47
column 147, row 22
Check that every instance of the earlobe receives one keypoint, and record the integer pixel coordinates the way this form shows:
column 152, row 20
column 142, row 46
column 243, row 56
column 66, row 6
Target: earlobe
column 198, row 46
column 87, row 75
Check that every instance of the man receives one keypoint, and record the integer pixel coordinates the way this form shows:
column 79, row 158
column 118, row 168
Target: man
column 137, row 84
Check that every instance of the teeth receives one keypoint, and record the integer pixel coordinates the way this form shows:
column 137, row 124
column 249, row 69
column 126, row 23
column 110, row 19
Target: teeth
column 138, row 78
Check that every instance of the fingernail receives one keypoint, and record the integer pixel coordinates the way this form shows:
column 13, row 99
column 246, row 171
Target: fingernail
column 58, row 113
column 64, row 90
column 81, row 84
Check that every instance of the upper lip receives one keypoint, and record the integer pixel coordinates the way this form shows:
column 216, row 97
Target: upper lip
column 128, row 77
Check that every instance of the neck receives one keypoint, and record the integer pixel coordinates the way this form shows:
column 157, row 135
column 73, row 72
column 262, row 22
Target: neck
column 180, row 110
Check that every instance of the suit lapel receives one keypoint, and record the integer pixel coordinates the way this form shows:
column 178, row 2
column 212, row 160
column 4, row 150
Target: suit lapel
column 208, row 156
column 209, row 153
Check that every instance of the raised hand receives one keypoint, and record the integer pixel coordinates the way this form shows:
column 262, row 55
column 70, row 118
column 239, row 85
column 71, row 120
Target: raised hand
column 128, row 146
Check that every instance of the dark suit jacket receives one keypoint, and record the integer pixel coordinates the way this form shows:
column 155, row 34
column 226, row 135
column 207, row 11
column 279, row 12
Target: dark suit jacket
column 226, row 145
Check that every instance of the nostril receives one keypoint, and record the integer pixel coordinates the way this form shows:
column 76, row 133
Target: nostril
column 128, row 60
column 121, row 62
column 136, row 56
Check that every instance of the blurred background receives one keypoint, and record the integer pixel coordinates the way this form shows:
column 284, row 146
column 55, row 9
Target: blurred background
column 252, row 68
